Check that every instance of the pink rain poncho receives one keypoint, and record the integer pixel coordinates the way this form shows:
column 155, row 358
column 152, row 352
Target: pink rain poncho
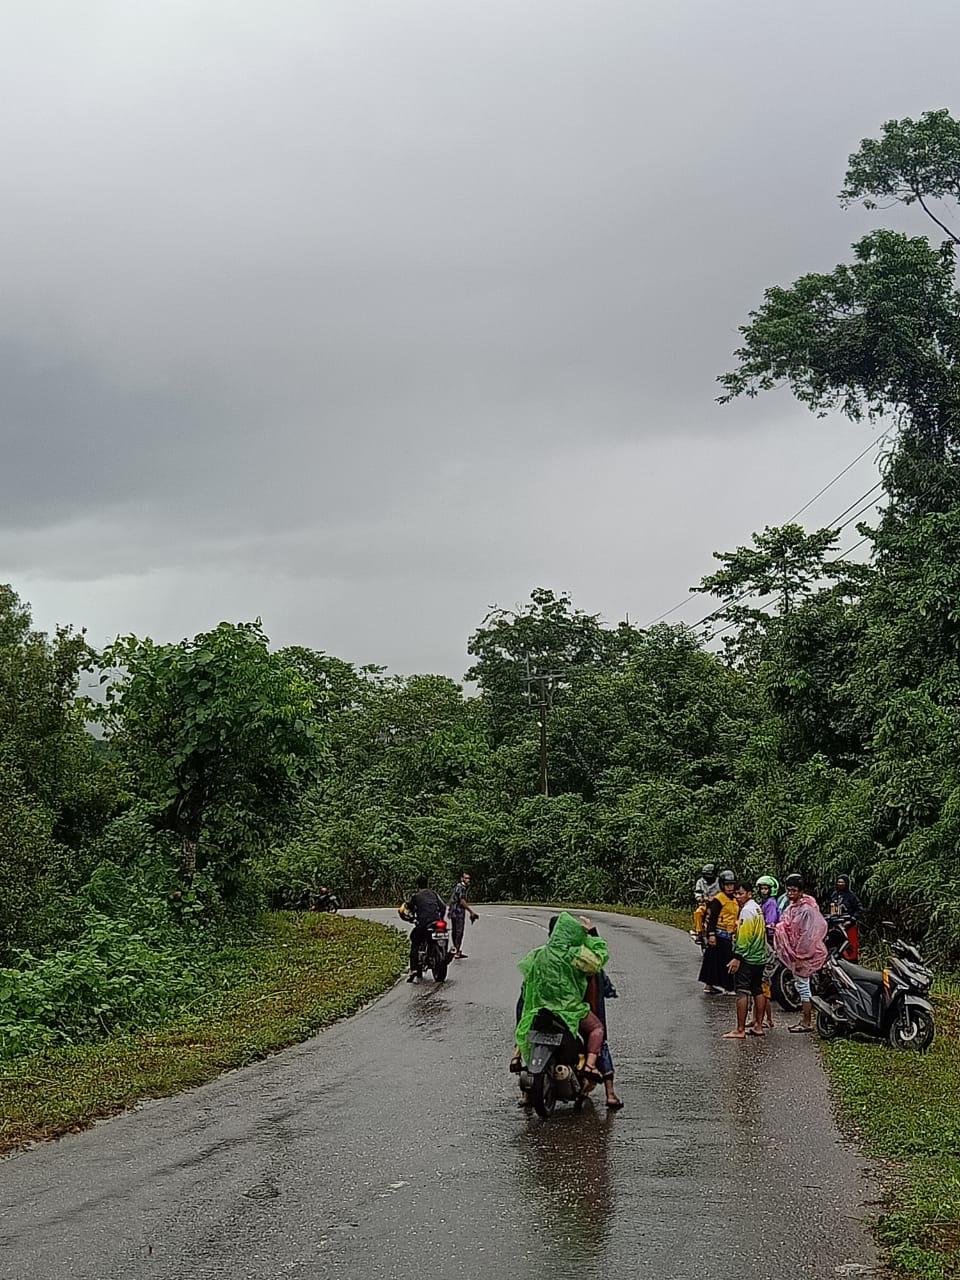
column 798, row 938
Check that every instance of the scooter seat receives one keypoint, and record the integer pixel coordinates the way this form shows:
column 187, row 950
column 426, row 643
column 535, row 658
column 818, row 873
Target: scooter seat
column 866, row 977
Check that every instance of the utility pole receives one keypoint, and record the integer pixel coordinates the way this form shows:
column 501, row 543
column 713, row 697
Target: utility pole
column 544, row 682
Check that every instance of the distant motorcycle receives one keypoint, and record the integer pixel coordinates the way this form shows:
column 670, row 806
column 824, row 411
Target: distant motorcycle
column 889, row 1004
column 323, row 899
column 434, row 951
column 555, row 1070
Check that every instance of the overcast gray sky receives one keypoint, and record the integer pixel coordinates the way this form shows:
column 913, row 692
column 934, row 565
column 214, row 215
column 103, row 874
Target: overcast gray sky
column 361, row 315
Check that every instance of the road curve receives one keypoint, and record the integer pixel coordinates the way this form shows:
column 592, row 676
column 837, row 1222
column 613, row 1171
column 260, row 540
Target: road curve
column 390, row 1145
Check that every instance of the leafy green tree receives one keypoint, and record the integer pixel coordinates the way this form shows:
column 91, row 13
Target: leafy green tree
column 513, row 649
column 214, row 735
column 55, row 790
column 914, row 162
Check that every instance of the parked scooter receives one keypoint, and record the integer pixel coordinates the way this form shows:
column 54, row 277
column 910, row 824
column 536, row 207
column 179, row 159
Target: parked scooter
column 889, row 1004
column 555, row 1070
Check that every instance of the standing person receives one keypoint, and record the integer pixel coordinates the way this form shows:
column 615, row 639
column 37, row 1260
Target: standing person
column 749, row 958
column 720, row 925
column 457, row 910
column 768, row 889
column 844, row 902
column 703, row 891
column 798, row 942
column 423, row 907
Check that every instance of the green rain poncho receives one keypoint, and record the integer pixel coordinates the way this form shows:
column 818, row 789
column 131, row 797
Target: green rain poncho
column 552, row 978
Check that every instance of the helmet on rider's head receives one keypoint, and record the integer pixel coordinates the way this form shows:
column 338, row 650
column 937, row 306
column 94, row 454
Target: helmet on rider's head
column 769, row 882
column 793, row 881
column 709, row 871
column 727, row 877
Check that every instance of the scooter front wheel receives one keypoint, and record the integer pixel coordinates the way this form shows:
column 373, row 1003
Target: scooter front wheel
column 914, row 1031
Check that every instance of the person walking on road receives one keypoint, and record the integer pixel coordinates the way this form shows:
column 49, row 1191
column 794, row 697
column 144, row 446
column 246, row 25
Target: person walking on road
column 799, row 943
column 457, row 909
column 749, row 958
column 721, row 921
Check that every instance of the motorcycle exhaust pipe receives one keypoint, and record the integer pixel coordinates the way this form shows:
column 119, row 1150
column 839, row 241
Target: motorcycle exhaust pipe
column 562, row 1073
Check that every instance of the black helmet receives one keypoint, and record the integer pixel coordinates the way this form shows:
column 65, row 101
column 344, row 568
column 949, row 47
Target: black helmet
column 727, row 877
column 793, row 881
column 709, row 871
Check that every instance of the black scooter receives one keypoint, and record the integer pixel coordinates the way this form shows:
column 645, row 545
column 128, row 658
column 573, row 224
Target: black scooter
column 555, row 1070
column 890, row 1004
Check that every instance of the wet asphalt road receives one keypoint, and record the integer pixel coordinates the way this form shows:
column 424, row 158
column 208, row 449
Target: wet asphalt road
column 391, row 1146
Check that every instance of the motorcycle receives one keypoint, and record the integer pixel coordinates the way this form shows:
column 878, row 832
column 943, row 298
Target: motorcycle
column 555, row 1070
column 434, row 951
column 889, row 1004
column 323, row 899
column 783, row 985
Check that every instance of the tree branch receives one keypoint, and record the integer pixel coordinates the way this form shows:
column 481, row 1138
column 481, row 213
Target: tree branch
column 930, row 214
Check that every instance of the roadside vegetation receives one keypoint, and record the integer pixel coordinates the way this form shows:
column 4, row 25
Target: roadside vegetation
column 905, row 1110
column 810, row 723
column 294, row 975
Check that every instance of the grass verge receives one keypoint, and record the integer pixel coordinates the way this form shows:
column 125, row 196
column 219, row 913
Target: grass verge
column 302, row 973
column 905, row 1110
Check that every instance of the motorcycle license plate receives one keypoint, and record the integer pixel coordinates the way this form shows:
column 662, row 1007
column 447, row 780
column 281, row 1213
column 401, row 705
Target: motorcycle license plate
column 548, row 1037
column 439, row 937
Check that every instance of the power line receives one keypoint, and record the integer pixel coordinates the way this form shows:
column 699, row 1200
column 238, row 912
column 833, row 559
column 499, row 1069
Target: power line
column 691, row 595
column 771, row 602
column 839, row 528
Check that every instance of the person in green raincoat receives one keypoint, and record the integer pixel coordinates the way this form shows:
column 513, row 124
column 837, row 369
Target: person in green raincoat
column 555, row 977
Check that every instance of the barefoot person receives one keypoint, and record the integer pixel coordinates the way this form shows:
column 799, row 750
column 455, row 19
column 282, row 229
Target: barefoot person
column 749, row 958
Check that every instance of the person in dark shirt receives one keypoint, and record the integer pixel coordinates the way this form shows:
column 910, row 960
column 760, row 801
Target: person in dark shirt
column 426, row 908
column 844, row 902
column 458, row 907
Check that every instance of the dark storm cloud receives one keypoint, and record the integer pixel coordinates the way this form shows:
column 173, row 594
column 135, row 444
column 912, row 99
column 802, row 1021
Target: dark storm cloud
column 334, row 311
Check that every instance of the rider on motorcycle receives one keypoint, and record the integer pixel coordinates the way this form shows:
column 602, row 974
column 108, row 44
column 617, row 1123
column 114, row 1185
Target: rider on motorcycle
column 555, row 977
column 424, row 908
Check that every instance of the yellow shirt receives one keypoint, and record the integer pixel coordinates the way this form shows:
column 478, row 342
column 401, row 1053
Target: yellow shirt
column 729, row 911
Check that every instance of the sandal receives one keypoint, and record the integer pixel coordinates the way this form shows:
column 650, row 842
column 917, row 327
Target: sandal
column 614, row 1104
column 593, row 1074
column 516, row 1064
column 798, row 1029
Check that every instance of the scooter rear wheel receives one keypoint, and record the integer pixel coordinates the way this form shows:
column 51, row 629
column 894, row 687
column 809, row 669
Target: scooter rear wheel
column 828, row 1028
column 544, row 1094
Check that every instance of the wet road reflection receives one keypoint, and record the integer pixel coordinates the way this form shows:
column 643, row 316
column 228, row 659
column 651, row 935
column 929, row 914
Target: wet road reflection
column 563, row 1165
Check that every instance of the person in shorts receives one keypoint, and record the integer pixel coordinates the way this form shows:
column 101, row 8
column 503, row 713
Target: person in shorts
column 749, row 958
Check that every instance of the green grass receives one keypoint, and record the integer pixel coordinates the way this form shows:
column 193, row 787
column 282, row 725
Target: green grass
column 298, row 975
column 905, row 1110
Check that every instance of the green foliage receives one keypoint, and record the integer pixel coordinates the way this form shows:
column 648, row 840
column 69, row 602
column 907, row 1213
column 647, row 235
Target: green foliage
column 212, row 735
column 915, row 161
column 110, row 976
